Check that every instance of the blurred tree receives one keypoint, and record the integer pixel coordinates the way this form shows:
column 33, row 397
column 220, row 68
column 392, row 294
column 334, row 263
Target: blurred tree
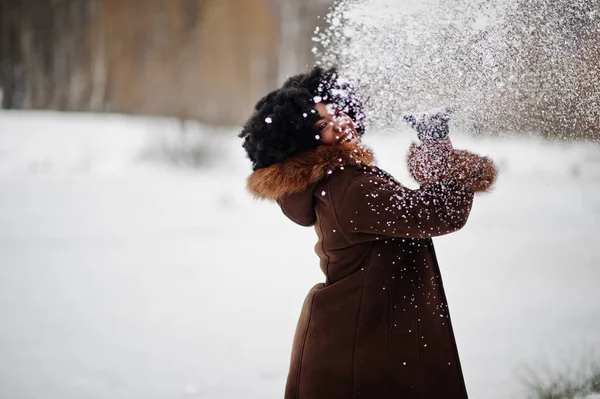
column 41, row 53
column 200, row 59
column 208, row 60
column 298, row 20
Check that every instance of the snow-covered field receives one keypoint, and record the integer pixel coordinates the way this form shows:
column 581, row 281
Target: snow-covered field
column 122, row 277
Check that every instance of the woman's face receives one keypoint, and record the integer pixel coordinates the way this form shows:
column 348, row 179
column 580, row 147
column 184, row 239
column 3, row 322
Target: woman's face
column 334, row 126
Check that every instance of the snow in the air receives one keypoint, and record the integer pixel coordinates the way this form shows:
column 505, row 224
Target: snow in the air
column 505, row 64
column 122, row 276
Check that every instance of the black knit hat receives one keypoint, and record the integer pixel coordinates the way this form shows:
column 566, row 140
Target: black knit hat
column 282, row 124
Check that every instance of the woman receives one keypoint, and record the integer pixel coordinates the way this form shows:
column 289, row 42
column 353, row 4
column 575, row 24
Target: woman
column 379, row 326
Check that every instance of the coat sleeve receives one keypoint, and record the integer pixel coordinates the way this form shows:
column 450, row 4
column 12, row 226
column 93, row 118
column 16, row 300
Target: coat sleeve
column 375, row 208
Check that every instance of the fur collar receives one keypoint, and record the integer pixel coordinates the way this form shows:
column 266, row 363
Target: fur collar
column 294, row 175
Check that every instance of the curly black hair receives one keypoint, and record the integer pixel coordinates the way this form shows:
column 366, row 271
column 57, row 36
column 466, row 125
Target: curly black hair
column 282, row 124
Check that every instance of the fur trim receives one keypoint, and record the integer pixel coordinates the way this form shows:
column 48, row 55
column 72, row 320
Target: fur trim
column 297, row 173
column 472, row 171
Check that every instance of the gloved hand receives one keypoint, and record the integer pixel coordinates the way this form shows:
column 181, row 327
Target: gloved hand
column 430, row 160
column 429, row 165
column 435, row 160
column 432, row 125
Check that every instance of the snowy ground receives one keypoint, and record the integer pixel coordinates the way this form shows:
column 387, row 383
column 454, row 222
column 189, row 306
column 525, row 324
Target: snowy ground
column 126, row 278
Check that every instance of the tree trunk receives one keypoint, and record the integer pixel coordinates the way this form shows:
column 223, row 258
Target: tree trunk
column 9, row 54
column 41, row 53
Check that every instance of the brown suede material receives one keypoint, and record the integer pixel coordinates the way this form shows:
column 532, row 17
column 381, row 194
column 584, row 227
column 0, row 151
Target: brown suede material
column 473, row 172
column 379, row 326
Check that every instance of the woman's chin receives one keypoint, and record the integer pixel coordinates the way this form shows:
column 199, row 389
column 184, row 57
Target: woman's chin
column 352, row 143
column 349, row 138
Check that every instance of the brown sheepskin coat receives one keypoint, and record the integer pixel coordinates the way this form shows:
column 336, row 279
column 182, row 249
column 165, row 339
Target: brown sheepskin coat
column 379, row 326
